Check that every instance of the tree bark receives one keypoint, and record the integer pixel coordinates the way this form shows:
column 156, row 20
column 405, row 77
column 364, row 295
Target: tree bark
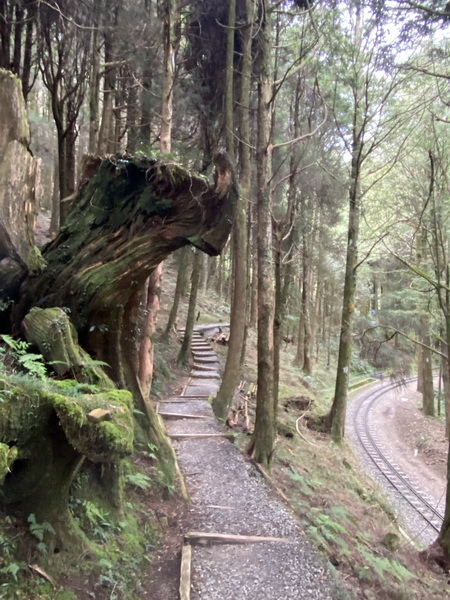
column 179, row 288
column 19, row 179
column 231, row 375
column 127, row 218
column 339, row 406
column 183, row 355
column 428, row 386
column 171, row 31
column 261, row 445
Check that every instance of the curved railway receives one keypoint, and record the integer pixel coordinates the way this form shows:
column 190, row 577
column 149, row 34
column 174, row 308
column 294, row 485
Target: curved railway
column 401, row 482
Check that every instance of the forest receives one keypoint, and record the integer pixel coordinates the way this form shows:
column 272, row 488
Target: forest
column 278, row 166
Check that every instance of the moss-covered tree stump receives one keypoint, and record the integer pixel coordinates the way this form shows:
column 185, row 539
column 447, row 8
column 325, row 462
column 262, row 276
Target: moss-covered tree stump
column 45, row 435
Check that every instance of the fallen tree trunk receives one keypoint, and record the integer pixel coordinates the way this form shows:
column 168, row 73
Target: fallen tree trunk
column 82, row 302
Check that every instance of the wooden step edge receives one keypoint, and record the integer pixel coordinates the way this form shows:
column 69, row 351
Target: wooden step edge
column 188, row 399
column 199, row 436
column 198, row 396
column 169, row 415
column 199, row 384
column 206, row 537
column 185, row 572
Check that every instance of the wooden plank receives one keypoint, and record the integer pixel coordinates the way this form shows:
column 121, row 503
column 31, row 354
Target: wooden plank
column 199, row 384
column 197, row 396
column 174, row 401
column 181, row 416
column 193, row 436
column 185, row 572
column 204, row 399
column 183, row 398
column 206, row 537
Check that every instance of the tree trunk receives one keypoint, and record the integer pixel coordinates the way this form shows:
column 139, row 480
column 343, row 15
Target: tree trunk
column 113, row 241
column 94, row 83
column 261, row 445
column 442, row 543
column 171, row 30
column 153, row 287
column 339, row 406
column 18, row 178
column 446, row 385
column 106, row 136
column 231, row 375
column 428, row 386
column 306, row 307
column 183, row 355
column 179, row 287
column 253, row 260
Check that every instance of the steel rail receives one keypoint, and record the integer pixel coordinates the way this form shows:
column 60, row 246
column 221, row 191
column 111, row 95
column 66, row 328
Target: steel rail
column 390, row 471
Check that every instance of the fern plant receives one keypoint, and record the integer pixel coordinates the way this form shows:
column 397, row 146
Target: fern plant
column 39, row 530
column 19, row 350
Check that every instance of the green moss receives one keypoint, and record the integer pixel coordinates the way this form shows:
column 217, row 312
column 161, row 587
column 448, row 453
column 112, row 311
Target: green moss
column 52, row 332
column 30, row 405
column 7, row 457
column 106, row 441
column 35, row 261
column 25, row 411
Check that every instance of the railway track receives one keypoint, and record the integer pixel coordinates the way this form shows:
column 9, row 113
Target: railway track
column 401, row 482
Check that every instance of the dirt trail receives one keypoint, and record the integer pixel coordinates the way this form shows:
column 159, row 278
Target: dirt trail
column 228, row 496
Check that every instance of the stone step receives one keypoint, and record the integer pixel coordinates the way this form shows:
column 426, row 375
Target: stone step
column 199, row 367
column 207, row 360
column 205, row 374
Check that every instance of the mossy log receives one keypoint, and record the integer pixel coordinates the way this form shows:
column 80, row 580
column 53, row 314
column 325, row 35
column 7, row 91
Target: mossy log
column 129, row 214
column 46, row 434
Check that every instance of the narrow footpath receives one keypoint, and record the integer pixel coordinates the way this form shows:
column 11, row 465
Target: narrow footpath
column 241, row 542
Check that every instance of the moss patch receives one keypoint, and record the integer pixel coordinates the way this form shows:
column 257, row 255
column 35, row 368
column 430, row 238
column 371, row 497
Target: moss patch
column 105, row 441
column 7, row 457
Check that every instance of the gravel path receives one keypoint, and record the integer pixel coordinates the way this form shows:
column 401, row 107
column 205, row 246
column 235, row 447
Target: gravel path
column 229, row 496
